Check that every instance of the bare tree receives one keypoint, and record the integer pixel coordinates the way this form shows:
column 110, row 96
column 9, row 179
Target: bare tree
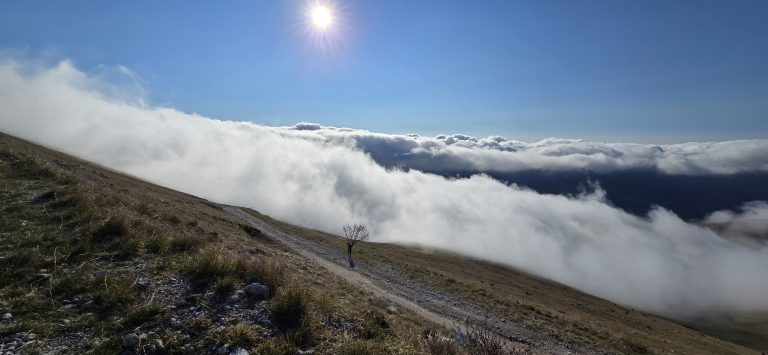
column 354, row 233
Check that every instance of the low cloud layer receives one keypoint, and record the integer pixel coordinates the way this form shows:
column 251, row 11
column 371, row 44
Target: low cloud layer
column 462, row 152
column 321, row 179
column 749, row 224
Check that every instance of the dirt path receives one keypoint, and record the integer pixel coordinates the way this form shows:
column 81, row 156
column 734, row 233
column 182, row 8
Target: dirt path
column 387, row 282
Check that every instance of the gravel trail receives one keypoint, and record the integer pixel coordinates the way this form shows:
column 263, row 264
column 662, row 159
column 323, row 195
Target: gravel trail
column 389, row 283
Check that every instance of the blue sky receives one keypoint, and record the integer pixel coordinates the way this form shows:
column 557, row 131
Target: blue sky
column 646, row 71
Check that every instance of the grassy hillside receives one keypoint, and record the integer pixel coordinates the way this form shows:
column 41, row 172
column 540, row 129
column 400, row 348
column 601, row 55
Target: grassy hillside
column 90, row 257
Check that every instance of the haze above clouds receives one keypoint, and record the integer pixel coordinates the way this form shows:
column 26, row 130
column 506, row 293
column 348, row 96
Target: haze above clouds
column 322, row 178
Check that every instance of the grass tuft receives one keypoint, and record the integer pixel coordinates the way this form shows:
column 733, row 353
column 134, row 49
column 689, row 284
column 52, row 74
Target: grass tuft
column 267, row 271
column 142, row 315
column 374, row 326
column 157, row 244
column 113, row 293
column 277, row 346
column 290, row 311
column 186, row 242
column 209, row 265
column 113, row 227
column 360, row 347
column 227, row 269
column 240, row 335
column 436, row 343
column 225, row 284
column 471, row 339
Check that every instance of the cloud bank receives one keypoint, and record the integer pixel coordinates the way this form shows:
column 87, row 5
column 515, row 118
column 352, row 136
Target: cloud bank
column 494, row 153
column 320, row 178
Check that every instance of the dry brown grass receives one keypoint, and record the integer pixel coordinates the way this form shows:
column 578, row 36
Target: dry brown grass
column 468, row 340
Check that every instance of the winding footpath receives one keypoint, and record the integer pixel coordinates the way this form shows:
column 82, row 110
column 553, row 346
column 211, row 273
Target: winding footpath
column 434, row 305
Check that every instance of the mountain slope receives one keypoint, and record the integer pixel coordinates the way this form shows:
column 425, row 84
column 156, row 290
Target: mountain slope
column 90, row 256
column 94, row 261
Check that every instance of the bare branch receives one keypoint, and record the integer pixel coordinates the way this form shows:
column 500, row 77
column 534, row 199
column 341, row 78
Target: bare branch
column 356, row 232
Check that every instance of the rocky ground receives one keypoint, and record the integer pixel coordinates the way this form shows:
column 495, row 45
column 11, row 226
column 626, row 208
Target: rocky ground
column 184, row 318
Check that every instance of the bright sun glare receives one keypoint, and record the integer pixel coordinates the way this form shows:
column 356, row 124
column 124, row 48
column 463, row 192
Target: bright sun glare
column 322, row 17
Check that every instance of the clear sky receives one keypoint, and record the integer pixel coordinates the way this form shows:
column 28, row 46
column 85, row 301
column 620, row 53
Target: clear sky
column 656, row 71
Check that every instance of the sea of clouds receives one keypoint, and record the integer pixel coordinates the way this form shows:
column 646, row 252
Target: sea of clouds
column 322, row 177
column 466, row 153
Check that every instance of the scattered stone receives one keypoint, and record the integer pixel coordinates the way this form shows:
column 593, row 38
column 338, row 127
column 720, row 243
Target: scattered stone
column 222, row 350
column 130, row 340
column 257, row 290
column 305, row 352
column 158, row 344
column 239, row 351
column 101, row 273
column 29, row 337
column 7, row 316
column 236, row 297
column 392, row 310
column 142, row 283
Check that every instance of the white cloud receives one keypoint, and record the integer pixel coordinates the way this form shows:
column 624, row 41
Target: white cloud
column 750, row 225
column 494, row 153
column 320, row 179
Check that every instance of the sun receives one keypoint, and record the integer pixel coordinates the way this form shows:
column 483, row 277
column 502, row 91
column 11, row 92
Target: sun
column 321, row 16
